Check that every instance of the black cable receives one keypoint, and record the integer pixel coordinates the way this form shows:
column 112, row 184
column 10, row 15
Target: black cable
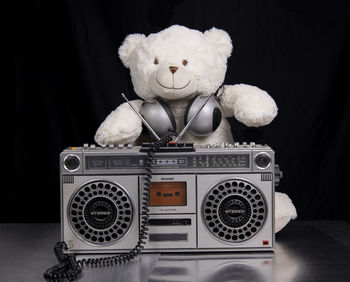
column 68, row 268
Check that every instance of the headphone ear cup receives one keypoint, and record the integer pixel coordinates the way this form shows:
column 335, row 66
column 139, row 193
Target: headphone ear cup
column 217, row 117
column 207, row 120
column 159, row 116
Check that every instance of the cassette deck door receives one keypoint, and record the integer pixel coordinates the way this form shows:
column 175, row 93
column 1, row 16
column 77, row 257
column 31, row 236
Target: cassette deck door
column 172, row 194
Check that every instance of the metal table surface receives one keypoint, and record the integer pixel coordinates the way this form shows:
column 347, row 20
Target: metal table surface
column 305, row 251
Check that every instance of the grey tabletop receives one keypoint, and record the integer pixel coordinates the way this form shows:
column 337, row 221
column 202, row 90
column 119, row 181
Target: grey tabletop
column 305, row 251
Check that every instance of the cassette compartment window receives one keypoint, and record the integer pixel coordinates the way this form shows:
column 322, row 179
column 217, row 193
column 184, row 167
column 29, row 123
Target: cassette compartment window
column 168, row 194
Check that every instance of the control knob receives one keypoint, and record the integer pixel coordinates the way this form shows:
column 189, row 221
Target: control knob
column 278, row 174
column 71, row 163
column 262, row 160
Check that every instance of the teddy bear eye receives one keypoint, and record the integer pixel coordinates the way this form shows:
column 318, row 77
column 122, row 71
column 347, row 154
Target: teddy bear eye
column 156, row 61
column 184, row 62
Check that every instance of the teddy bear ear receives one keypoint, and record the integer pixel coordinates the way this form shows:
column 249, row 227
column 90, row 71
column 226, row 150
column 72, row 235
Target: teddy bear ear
column 221, row 39
column 129, row 45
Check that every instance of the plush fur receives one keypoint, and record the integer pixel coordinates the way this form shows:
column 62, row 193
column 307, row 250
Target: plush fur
column 200, row 61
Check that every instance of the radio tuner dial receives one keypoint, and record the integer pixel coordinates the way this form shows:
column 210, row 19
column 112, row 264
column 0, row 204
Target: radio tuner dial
column 71, row 163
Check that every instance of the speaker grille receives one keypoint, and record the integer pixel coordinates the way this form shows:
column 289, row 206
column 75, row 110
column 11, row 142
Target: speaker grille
column 234, row 210
column 100, row 212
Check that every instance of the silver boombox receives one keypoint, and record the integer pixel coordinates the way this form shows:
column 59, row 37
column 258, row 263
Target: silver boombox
column 202, row 198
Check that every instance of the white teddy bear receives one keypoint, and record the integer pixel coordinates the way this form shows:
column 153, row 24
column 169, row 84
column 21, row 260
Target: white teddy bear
column 175, row 63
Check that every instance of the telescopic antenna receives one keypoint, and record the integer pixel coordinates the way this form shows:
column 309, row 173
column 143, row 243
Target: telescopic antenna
column 192, row 118
column 141, row 117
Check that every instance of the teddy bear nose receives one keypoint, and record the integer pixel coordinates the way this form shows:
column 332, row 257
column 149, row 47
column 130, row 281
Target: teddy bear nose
column 173, row 69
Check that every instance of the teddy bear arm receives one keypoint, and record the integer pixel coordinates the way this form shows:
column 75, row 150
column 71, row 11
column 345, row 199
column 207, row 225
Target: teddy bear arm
column 249, row 104
column 121, row 126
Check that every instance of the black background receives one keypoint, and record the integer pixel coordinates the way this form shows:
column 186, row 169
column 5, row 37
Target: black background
column 62, row 77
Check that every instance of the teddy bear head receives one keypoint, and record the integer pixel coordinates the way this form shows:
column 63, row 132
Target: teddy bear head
column 176, row 62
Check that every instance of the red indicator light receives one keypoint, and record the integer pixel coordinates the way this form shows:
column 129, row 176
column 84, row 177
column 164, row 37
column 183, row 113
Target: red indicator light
column 265, row 242
column 171, row 142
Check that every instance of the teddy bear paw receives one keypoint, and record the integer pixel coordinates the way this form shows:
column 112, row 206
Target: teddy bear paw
column 255, row 108
column 119, row 133
column 254, row 117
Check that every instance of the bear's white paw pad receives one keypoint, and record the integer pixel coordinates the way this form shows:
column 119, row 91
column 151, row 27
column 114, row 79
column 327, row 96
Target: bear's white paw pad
column 120, row 132
column 255, row 107
column 253, row 117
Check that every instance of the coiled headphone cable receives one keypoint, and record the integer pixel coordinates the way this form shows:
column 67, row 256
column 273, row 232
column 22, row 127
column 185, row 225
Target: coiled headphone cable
column 68, row 268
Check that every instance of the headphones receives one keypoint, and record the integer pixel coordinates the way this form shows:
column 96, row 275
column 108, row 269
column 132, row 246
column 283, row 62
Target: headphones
column 159, row 116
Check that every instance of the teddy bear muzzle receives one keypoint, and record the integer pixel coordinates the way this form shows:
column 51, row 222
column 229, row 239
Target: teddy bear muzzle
column 171, row 81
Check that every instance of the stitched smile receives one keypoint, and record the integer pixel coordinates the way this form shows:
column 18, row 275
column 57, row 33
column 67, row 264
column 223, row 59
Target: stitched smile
column 174, row 88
